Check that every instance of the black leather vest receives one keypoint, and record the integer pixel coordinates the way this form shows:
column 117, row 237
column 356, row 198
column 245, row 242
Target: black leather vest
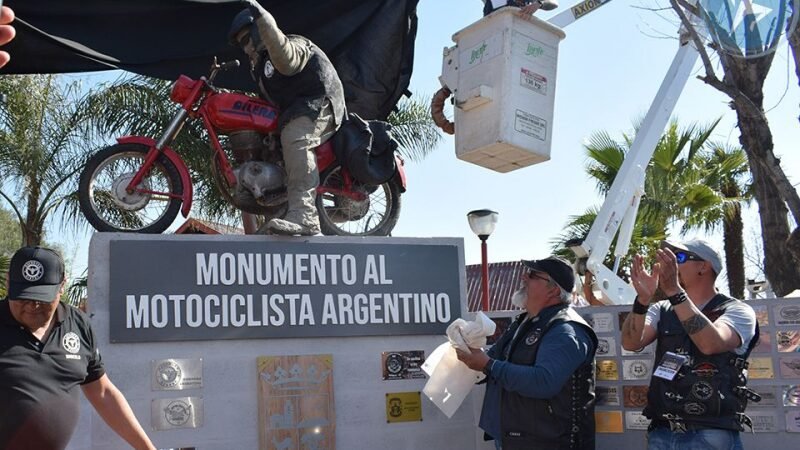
column 565, row 421
column 709, row 391
column 304, row 93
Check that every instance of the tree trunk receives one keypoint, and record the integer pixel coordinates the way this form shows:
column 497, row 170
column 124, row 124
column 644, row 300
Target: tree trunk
column 779, row 267
column 734, row 246
column 773, row 190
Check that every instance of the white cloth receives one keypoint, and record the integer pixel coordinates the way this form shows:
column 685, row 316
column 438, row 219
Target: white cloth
column 451, row 380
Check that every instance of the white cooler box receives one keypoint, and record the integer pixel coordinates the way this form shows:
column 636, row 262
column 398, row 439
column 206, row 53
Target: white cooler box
column 502, row 72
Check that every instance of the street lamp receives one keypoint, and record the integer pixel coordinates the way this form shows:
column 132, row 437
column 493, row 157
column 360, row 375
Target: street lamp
column 482, row 222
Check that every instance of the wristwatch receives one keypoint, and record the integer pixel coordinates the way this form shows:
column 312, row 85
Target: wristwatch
column 487, row 368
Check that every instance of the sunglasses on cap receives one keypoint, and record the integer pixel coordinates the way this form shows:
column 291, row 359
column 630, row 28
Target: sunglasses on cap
column 682, row 257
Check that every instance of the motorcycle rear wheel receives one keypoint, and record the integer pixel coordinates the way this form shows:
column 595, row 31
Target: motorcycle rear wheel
column 107, row 205
column 341, row 216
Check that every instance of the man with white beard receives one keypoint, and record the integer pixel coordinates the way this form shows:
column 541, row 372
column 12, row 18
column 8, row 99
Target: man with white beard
column 540, row 373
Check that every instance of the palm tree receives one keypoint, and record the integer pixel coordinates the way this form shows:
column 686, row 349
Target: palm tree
column 43, row 143
column 727, row 174
column 681, row 187
column 140, row 105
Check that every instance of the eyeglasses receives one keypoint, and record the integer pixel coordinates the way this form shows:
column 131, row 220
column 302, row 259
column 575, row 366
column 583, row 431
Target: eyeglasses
column 532, row 275
column 33, row 303
column 682, row 257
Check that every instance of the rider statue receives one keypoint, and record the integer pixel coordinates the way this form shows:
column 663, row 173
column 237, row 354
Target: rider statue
column 294, row 74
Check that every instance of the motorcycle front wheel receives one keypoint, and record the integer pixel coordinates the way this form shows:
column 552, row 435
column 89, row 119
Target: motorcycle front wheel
column 340, row 215
column 109, row 206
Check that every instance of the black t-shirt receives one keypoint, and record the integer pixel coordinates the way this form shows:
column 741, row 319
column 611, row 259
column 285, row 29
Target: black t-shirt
column 39, row 400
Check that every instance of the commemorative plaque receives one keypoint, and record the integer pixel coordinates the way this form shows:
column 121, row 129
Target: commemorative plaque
column 764, row 421
column 791, row 395
column 176, row 374
column 172, row 413
column 787, row 315
column 790, row 367
column 403, row 407
column 634, row 396
column 793, row 421
column 404, row 365
column 296, row 402
column 601, row 322
column 635, row 420
column 607, row 370
column 761, row 369
column 608, row 421
column 788, row 341
column 767, row 394
column 637, row 369
column 606, row 395
column 606, row 346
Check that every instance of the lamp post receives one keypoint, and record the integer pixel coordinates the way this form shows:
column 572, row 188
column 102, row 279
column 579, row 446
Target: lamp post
column 482, row 222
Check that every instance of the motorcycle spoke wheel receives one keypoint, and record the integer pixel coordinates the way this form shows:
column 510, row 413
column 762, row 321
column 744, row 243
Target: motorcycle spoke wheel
column 109, row 206
column 340, row 215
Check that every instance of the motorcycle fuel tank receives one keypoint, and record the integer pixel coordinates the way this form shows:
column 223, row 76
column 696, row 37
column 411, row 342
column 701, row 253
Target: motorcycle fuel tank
column 231, row 112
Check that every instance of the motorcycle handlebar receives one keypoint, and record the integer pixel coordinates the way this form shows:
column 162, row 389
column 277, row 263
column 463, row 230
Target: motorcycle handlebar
column 229, row 65
column 215, row 67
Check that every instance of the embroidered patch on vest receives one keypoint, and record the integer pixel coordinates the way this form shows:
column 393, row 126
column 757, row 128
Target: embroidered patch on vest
column 533, row 337
column 269, row 69
column 705, row 370
column 695, row 409
column 702, row 390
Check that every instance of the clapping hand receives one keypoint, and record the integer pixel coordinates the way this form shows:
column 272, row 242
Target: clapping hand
column 644, row 282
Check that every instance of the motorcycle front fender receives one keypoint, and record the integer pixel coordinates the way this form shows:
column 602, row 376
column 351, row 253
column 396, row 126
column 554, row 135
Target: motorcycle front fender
column 183, row 171
column 401, row 172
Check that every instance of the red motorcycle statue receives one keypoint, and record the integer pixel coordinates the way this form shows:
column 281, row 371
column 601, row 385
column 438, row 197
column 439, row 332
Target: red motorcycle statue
column 140, row 184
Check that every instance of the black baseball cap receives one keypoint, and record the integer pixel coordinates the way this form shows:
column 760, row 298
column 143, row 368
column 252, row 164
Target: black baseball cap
column 35, row 273
column 559, row 270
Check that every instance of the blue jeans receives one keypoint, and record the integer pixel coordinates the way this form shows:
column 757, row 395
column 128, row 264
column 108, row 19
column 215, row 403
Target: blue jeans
column 662, row 438
column 498, row 445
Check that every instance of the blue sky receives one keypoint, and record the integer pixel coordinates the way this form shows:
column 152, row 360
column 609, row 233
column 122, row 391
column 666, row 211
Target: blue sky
column 610, row 67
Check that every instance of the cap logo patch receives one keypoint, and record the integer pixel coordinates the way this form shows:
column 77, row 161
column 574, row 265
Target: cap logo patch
column 32, row 270
column 71, row 342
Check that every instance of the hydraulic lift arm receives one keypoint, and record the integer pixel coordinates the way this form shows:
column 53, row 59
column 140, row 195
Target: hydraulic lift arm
column 618, row 213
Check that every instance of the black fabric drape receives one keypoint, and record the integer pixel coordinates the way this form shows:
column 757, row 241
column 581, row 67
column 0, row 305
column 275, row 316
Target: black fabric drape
column 371, row 42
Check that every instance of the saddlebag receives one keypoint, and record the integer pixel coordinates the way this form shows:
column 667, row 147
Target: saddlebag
column 366, row 149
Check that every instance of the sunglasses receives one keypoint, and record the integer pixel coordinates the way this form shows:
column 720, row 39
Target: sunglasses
column 532, row 275
column 682, row 257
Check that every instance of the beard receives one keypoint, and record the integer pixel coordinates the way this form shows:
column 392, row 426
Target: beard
column 519, row 298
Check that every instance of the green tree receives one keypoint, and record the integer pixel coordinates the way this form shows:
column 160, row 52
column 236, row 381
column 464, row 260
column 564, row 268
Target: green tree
column 742, row 80
column 10, row 233
column 680, row 187
column 726, row 173
column 141, row 105
column 43, row 143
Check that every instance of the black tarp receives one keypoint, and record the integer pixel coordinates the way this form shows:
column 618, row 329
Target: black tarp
column 371, row 42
